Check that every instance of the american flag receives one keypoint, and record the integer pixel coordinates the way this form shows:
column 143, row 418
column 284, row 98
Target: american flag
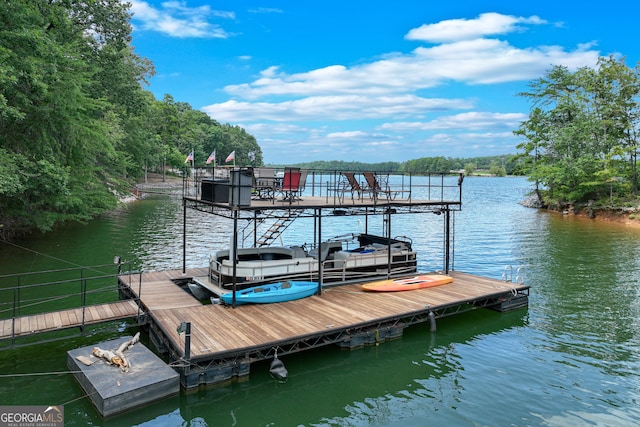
column 212, row 157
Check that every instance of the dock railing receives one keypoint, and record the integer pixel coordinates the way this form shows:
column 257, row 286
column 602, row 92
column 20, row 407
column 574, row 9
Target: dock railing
column 51, row 291
column 212, row 184
column 334, row 271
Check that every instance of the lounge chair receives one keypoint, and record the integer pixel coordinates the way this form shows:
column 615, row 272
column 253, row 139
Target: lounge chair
column 349, row 184
column 303, row 183
column 375, row 187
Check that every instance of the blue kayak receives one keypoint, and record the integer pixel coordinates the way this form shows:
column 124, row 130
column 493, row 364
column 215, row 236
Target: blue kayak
column 273, row 292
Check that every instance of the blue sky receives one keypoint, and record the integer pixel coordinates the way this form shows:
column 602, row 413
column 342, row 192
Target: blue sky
column 372, row 80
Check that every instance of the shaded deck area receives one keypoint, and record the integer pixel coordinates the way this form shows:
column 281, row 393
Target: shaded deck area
column 224, row 341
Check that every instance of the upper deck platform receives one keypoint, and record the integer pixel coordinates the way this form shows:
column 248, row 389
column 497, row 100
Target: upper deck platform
column 223, row 190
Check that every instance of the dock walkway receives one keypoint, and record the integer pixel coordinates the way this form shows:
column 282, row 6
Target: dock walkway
column 67, row 319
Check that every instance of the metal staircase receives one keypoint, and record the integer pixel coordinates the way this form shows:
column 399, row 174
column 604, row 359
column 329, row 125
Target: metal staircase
column 275, row 230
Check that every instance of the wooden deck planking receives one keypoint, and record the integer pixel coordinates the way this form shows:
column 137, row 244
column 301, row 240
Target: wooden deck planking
column 158, row 291
column 47, row 322
column 220, row 329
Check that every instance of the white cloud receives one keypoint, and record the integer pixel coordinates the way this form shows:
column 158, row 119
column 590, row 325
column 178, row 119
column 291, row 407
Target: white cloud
column 348, row 135
column 276, row 129
column 468, row 121
column 487, row 24
column 322, row 108
column 176, row 19
column 461, row 145
column 477, row 61
column 343, row 111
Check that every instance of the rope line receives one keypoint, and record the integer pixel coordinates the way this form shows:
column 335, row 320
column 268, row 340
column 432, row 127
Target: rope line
column 49, row 256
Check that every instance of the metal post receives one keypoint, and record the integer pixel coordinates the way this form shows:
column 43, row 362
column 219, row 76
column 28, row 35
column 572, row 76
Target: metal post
column 255, row 228
column 447, row 218
column 139, row 292
column 187, row 345
column 235, row 254
column 320, row 252
column 366, row 220
column 83, row 290
column 184, row 235
column 185, row 328
column 388, row 231
column 16, row 302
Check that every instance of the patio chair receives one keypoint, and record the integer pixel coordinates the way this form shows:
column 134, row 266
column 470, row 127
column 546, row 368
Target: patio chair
column 265, row 182
column 290, row 185
column 303, row 183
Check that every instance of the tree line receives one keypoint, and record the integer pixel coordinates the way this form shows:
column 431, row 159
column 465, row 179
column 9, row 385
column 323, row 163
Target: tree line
column 493, row 165
column 580, row 142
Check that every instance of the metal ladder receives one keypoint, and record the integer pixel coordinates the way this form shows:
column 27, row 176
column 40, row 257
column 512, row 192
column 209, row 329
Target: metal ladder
column 507, row 274
column 275, row 230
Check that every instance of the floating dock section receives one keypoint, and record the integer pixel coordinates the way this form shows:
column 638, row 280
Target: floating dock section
column 222, row 342
column 113, row 391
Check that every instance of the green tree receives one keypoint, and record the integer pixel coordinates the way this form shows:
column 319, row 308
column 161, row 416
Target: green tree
column 469, row 168
column 580, row 141
column 68, row 80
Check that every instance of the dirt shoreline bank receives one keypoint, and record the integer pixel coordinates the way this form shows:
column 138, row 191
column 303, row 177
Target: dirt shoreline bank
column 630, row 219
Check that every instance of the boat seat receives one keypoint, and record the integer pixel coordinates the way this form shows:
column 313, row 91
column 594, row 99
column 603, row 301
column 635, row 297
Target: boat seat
column 256, row 290
column 325, row 248
column 298, row 252
column 285, row 285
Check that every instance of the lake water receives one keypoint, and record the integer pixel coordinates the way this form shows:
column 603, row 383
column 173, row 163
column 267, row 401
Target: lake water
column 572, row 358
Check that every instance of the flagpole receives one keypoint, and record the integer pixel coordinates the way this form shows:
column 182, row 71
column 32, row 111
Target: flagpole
column 193, row 172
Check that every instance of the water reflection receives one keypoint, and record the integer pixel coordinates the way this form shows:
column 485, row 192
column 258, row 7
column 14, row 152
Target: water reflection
column 588, row 272
column 372, row 386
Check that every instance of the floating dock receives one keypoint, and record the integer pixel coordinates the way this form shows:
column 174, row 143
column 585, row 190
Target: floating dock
column 112, row 391
column 214, row 343
column 223, row 341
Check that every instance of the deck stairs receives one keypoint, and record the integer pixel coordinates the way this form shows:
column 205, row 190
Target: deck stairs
column 280, row 222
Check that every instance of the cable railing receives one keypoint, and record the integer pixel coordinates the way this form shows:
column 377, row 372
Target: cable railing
column 216, row 184
column 36, row 295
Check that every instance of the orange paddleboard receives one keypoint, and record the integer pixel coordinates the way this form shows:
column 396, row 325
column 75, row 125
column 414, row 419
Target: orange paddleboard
column 408, row 284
